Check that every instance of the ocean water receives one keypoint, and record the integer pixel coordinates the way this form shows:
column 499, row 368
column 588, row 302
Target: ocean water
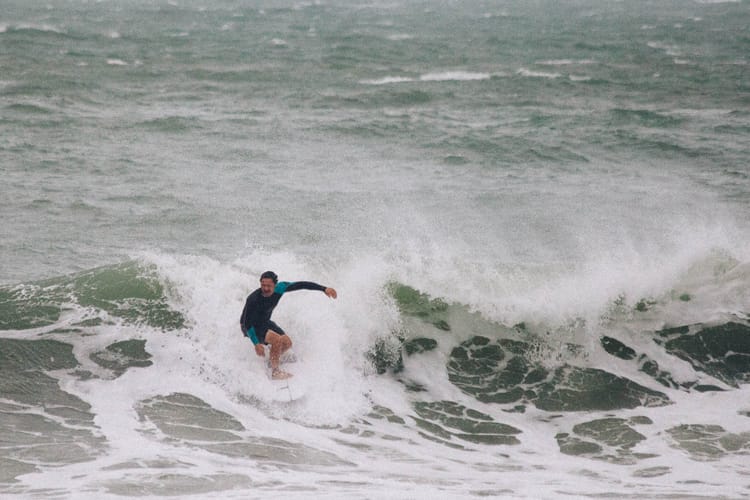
column 535, row 214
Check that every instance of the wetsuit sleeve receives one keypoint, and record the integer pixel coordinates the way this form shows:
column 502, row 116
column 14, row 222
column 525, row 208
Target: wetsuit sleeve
column 252, row 335
column 300, row 285
column 246, row 322
column 243, row 317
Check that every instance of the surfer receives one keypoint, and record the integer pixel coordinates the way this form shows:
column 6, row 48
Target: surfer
column 256, row 317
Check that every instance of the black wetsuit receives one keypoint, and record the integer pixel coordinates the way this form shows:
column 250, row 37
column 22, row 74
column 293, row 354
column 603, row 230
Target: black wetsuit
column 256, row 316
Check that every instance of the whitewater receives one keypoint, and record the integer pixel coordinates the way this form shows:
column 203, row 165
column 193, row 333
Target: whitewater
column 534, row 213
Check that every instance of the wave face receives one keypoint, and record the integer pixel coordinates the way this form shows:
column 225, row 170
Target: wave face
column 535, row 216
column 138, row 368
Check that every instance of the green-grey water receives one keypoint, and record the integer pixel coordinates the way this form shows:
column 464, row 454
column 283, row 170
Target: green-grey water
column 534, row 213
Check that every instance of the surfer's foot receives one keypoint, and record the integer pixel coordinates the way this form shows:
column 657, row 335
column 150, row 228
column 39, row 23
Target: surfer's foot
column 278, row 374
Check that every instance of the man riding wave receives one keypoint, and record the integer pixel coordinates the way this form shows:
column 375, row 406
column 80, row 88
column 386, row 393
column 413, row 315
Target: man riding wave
column 256, row 321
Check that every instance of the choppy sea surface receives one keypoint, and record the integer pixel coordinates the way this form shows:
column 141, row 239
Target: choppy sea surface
column 535, row 214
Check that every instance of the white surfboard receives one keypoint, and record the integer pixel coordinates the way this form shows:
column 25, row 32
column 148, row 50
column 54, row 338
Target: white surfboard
column 288, row 389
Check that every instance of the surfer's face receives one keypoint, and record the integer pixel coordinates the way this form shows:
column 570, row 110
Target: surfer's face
column 266, row 287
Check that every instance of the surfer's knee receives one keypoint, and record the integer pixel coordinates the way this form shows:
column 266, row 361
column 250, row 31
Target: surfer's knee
column 282, row 341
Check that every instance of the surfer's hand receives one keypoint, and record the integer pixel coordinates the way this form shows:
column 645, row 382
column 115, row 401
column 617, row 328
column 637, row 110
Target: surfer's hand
column 331, row 293
column 260, row 351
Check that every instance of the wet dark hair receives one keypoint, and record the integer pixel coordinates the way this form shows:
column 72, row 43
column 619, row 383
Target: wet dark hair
column 270, row 275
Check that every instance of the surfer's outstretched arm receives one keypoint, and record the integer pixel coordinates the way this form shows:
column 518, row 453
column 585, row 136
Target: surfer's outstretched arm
column 285, row 286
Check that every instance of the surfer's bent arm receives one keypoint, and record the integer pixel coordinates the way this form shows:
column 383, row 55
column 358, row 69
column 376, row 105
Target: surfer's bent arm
column 252, row 335
column 246, row 322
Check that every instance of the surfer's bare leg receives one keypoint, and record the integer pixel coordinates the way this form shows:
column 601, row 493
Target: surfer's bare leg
column 279, row 345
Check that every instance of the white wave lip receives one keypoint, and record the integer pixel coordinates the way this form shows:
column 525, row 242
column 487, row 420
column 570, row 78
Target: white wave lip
column 670, row 50
column 537, row 74
column 566, row 62
column 399, row 37
column 445, row 76
column 460, row 76
column 388, row 80
column 47, row 28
